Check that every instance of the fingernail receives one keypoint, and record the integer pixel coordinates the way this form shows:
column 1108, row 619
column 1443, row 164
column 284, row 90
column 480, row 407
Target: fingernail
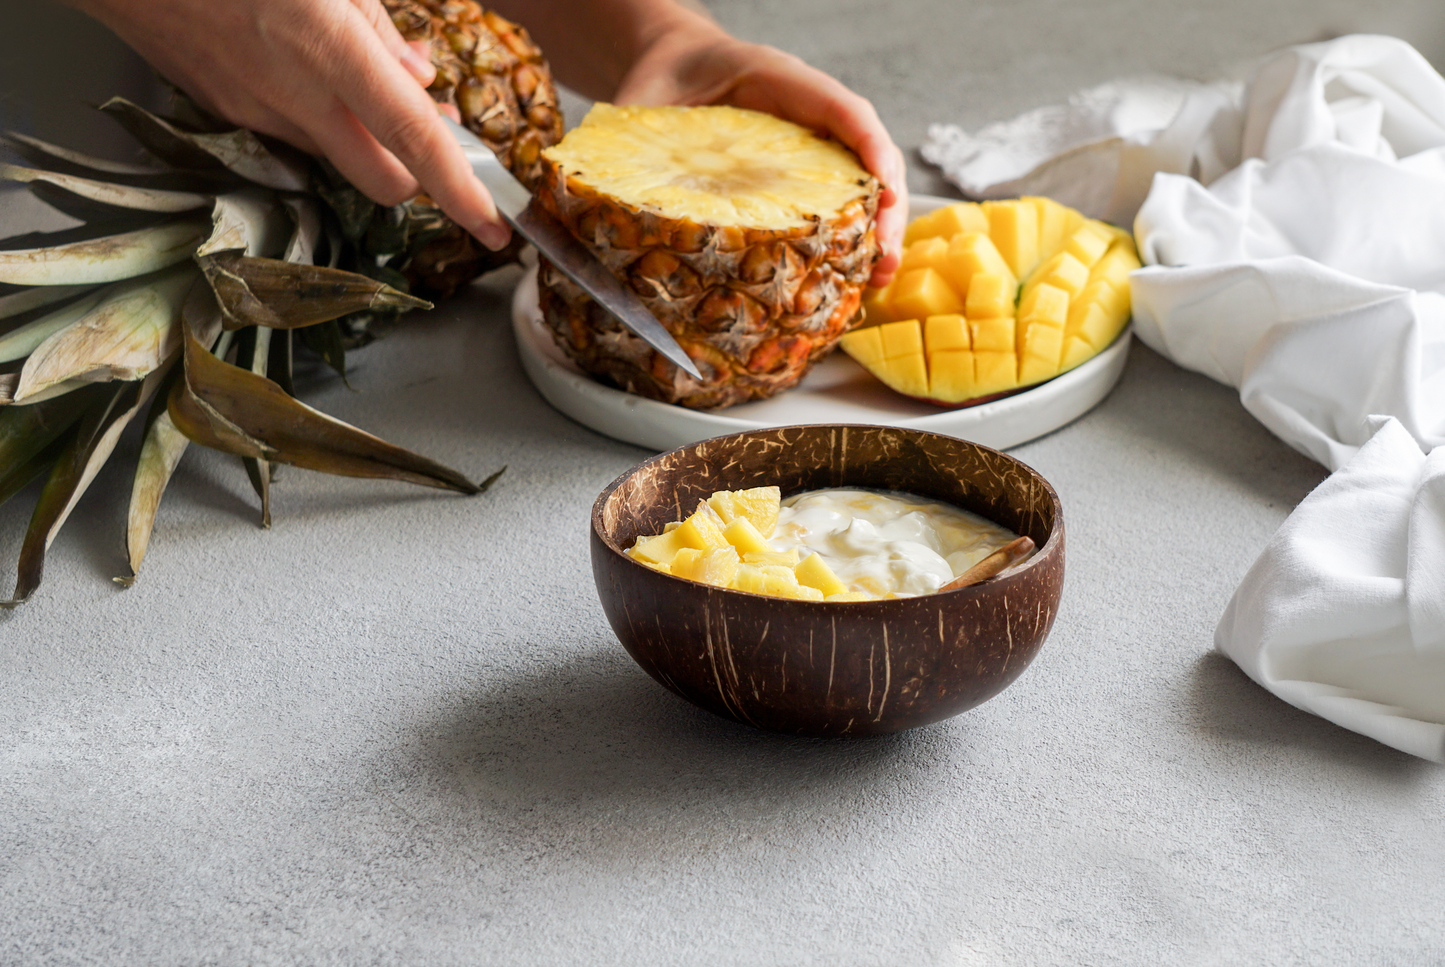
column 493, row 235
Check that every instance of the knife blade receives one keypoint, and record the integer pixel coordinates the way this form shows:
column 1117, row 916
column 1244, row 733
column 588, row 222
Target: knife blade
column 571, row 257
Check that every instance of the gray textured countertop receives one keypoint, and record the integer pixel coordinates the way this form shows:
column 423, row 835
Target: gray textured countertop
column 396, row 728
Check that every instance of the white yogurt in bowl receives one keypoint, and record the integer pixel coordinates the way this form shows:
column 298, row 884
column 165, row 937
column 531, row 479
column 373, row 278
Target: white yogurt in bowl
column 886, row 543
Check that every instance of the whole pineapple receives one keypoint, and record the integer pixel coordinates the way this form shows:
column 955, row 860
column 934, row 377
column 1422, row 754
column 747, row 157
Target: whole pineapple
column 749, row 238
column 495, row 76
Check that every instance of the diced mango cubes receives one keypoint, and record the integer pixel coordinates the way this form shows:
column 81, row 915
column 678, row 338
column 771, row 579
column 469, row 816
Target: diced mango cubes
column 724, row 543
column 895, row 354
column 923, row 292
column 1014, row 228
column 956, row 325
column 973, row 253
column 947, row 222
column 990, row 296
column 946, row 332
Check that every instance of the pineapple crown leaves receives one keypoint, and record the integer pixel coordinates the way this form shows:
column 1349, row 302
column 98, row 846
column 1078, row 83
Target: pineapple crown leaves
column 220, row 247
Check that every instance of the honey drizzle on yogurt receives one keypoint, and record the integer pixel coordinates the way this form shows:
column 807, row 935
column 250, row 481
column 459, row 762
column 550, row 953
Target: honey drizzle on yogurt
column 886, row 543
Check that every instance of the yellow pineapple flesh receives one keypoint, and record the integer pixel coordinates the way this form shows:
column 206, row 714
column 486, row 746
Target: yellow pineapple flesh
column 748, row 237
column 737, row 555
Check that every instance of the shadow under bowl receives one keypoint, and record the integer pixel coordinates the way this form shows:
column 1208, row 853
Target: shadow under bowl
column 818, row 668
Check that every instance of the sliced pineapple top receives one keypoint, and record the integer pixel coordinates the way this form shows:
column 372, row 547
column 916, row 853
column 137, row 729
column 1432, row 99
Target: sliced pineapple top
column 712, row 165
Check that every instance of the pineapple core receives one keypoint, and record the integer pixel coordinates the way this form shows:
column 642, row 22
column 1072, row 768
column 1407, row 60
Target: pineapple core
column 713, row 165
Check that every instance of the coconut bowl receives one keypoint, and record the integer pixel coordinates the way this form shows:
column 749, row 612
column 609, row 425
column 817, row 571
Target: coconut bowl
column 819, row 668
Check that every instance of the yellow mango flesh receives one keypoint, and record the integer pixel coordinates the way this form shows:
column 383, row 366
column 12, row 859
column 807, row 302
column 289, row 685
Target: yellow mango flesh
column 956, row 324
column 946, row 332
column 1014, row 228
column 973, row 253
column 923, row 292
column 990, row 296
column 947, row 222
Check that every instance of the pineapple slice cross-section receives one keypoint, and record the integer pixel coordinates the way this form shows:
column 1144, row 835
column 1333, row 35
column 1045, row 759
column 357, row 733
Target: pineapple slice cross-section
column 750, row 238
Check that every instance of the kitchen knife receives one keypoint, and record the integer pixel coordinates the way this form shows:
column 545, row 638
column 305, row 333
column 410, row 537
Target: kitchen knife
column 571, row 257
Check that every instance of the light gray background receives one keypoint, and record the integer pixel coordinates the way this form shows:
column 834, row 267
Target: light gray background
column 396, row 728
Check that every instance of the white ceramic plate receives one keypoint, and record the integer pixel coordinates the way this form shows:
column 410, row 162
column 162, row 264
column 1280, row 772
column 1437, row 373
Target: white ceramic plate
column 837, row 390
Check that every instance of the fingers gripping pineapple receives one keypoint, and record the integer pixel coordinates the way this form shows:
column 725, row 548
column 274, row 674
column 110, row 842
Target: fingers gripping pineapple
column 749, row 237
column 495, row 76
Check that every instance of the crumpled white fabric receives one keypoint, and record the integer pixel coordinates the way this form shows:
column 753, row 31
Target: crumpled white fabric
column 1343, row 615
column 1293, row 235
column 1097, row 153
column 1277, row 217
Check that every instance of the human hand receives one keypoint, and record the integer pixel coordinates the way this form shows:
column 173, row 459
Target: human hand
column 696, row 62
column 333, row 77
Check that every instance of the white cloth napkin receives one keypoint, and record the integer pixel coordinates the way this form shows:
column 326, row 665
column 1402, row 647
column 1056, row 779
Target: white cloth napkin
column 1098, row 152
column 1293, row 233
column 1290, row 226
column 1343, row 615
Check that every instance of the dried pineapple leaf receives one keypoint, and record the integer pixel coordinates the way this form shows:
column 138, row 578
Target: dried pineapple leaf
column 164, row 443
column 325, row 341
column 8, row 388
column 14, row 477
column 27, row 431
column 202, row 313
column 106, row 193
column 307, row 236
column 253, row 352
column 251, row 221
column 109, row 258
column 53, row 157
column 128, row 335
column 283, row 363
column 91, row 445
column 24, row 340
column 387, row 232
column 28, row 300
column 160, row 454
column 239, row 151
column 230, row 409
column 287, row 295
column 352, row 209
column 60, row 160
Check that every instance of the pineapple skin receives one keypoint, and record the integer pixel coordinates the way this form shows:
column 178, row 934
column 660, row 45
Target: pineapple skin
column 754, row 308
column 491, row 71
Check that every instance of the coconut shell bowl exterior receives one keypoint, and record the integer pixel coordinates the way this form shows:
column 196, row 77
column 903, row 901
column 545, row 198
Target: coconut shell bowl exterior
column 818, row 668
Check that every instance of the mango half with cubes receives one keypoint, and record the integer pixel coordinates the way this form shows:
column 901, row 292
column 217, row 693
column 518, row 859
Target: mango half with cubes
column 995, row 296
column 725, row 543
